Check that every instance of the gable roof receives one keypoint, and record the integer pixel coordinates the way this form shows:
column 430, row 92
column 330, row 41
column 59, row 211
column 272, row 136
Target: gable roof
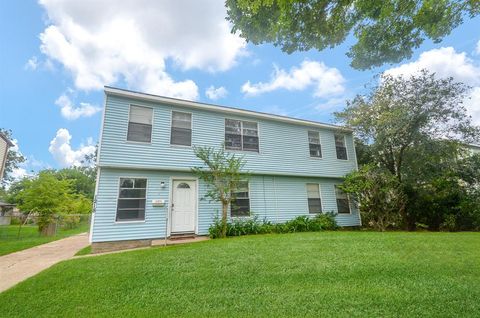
column 9, row 143
column 223, row 109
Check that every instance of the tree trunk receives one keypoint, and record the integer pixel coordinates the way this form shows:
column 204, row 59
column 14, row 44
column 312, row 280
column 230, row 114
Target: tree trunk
column 224, row 219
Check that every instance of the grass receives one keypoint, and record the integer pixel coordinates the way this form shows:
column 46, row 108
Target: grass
column 340, row 274
column 29, row 237
column 84, row 251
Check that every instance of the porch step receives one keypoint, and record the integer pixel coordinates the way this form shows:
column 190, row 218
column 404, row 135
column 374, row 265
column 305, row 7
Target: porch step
column 170, row 241
column 182, row 236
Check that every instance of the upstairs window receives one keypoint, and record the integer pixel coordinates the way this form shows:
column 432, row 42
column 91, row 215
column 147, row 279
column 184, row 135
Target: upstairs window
column 181, row 133
column 131, row 199
column 314, row 144
column 140, row 124
column 314, row 200
column 341, row 147
column 241, row 200
column 241, row 135
column 343, row 204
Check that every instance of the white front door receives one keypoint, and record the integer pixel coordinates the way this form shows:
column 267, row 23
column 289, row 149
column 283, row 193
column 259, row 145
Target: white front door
column 184, row 199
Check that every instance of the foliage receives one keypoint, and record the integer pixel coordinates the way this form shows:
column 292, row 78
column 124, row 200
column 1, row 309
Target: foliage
column 328, row 274
column 221, row 172
column 386, row 31
column 83, row 179
column 411, row 132
column 14, row 159
column 246, row 226
column 47, row 196
column 378, row 193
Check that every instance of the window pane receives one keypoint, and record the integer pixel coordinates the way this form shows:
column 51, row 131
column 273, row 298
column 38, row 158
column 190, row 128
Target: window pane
column 139, row 132
column 126, row 183
column 314, row 137
column 314, row 205
column 140, row 183
column 141, row 115
column 313, row 191
column 233, row 142
column 233, row 126
column 181, row 120
column 250, row 143
column 341, row 153
column 343, row 206
column 181, row 136
column 131, row 215
column 250, row 128
column 315, row 150
column 339, row 141
column 132, row 193
column 240, row 207
column 129, row 204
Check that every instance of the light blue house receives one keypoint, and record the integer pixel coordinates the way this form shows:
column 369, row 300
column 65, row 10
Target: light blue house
column 145, row 189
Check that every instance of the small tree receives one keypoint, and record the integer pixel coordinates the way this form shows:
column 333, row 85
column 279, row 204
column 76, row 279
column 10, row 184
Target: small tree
column 45, row 195
column 379, row 195
column 222, row 173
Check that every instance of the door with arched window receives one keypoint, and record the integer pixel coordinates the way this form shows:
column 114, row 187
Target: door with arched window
column 183, row 209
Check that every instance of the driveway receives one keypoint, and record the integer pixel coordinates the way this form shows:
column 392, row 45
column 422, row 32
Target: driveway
column 18, row 266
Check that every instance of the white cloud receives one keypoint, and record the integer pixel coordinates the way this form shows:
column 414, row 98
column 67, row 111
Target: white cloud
column 106, row 42
column 326, row 81
column 71, row 112
column 32, row 63
column 447, row 62
column 63, row 153
column 216, row 93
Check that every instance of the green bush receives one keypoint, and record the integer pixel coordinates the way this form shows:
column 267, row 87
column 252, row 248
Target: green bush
column 246, row 226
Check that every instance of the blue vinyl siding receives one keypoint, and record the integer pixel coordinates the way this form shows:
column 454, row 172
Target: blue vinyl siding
column 284, row 147
column 279, row 171
column 275, row 198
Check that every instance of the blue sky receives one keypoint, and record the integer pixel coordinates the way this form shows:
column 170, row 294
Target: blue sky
column 55, row 56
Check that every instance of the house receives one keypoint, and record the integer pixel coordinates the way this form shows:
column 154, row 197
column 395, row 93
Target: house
column 145, row 189
column 4, row 145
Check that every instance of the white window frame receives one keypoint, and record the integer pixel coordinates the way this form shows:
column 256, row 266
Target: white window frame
column 249, row 204
column 118, row 196
column 128, row 123
column 241, row 130
column 348, row 201
column 171, row 126
column 335, row 145
column 320, row 195
column 320, row 143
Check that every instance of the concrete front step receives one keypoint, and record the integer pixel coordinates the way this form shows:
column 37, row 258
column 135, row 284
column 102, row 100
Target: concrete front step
column 180, row 241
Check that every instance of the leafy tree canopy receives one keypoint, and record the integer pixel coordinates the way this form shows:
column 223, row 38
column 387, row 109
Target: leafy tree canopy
column 387, row 31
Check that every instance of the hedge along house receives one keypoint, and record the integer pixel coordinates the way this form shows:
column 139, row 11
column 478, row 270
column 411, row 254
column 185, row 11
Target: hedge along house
column 145, row 189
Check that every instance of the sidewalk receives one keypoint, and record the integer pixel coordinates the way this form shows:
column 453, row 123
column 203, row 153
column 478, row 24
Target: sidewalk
column 21, row 265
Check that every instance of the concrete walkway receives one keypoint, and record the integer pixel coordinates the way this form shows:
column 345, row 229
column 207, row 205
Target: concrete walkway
column 18, row 266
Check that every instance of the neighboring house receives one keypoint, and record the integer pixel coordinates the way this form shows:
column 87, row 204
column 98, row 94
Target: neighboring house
column 474, row 149
column 145, row 156
column 4, row 145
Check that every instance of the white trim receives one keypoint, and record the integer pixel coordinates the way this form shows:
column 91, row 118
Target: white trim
column 344, row 142
column 171, row 126
column 249, row 205
column 95, row 202
column 216, row 108
column 170, row 201
column 321, row 146
column 241, row 134
column 128, row 124
column 118, row 196
column 348, row 199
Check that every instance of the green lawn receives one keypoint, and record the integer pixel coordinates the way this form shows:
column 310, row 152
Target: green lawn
column 10, row 241
column 307, row 274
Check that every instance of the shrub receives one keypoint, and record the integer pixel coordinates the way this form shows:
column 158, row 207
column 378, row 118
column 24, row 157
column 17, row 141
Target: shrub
column 238, row 227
